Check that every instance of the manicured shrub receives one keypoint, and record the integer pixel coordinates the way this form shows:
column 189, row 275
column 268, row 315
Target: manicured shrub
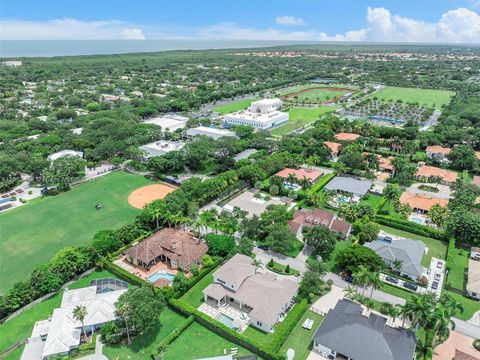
column 219, row 245
column 286, row 327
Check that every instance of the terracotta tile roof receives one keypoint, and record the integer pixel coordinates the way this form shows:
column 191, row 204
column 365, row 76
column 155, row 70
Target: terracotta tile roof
column 311, row 174
column 160, row 283
column 421, row 201
column 316, row 217
column 178, row 245
column 435, row 149
column 383, row 162
column 432, row 171
column 458, row 346
column 333, row 146
column 346, row 136
column 477, row 154
column 476, row 180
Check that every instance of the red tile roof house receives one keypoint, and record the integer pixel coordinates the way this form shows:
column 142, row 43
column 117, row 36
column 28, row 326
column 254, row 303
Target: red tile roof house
column 420, row 202
column 312, row 175
column 334, row 149
column 178, row 248
column 310, row 218
column 426, row 172
column 438, row 153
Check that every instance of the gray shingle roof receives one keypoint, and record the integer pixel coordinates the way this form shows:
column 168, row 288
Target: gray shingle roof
column 349, row 184
column 348, row 332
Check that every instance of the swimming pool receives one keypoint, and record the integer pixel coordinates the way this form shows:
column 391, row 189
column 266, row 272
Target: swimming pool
column 161, row 274
column 417, row 220
column 226, row 320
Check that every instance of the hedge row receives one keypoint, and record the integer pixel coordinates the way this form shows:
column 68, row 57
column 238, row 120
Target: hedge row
column 224, row 331
column 203, row 272
column 324, row 180
column 409, row 226
column 125, row 275
column 286, row 327
column 450, row 255
column 173, row 336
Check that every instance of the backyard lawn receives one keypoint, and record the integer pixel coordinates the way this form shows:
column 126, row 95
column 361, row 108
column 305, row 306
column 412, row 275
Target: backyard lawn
column 300, row 339
column 144, row 345
column 372, row 200
column 427, row 97
column 436, row 248
column 199, row 342
column 299, row 117
column 233, row 106
column 21, row 326
column 297, row 247
column 194, row 296
column 456, row 274
column 33, row 233
column 470, row 306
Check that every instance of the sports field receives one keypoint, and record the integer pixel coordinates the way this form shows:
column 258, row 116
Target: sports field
column 429, row 97
column 33, row 233
column 234, row 106
column 299, row 117
column 316, row 94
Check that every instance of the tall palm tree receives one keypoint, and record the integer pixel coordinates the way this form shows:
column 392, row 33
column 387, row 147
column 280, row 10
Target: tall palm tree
column 258, row 264
column 361, row 277
column 305, row 183
column 397, row 265
column 124, row 310
column 374, row 281
column 391, row 193
column 292, row 179
column 350, row 292
column 156, row 213
column 79, row 314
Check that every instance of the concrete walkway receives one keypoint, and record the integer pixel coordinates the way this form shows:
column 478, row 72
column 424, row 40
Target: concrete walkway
column 467, row 328
column 298, row 263
column 98, row 352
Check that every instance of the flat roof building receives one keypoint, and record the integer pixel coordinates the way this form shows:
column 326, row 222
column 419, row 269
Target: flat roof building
column 161, row 147
column 65, row 153
column 263, row 115
column 214, row 133
column 170, row 122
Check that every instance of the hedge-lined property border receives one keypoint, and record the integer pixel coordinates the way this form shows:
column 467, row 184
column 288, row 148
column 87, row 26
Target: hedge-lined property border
column 173, row 336
column 283, row 331
column 409, row 226
column 320, row 184
column 125, row 275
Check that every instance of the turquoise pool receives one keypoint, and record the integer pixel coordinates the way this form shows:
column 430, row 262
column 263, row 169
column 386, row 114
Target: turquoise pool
column 226, row 320
column 161, row 274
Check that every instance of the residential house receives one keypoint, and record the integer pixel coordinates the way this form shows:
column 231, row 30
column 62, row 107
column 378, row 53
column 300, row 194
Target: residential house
column 384, row 163
column 312, row 175
column 458, row 346
column 421, row 203
column 61, row 333
column 429, row 173
column 263, row 297
column 334, row 148
column 310, row 218
column 350, row 186
column 346, row 333
column 214, row 133
column 438, row 153
column 346, row 136
column 394, row 248
column 473, row 279
column 178, row 248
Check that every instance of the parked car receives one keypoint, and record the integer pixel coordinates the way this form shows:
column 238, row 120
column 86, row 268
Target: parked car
column 435, row 285
column 391, row 279
column 349, row 279
column 410, row 286
column 263, row 247
column 439, row 265
column 438, row 276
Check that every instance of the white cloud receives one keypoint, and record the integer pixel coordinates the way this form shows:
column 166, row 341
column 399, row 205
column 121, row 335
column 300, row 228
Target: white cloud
column 67, row 29
column 290, row 20
column 132, row 34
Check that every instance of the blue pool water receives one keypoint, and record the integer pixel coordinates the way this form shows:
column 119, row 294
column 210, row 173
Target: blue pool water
column 161, row 274
column 225, row 320
column 417, row 220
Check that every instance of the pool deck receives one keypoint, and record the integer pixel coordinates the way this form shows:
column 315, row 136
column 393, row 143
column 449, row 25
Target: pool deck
column 142, row 272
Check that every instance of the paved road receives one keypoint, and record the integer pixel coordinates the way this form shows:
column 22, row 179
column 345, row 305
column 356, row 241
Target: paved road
column 467, row 328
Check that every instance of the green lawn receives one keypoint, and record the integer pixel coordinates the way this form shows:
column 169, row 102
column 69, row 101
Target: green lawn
column 144, row 345
column 436, row 248
column 319, row 95
column 470, row 306
column 297, row 247
column 258, row 335
column 199, row 342
column 300, row 339
column 340, row 245
column 281, row 269
column 396, row 291
column 456, row 274
column 194, row 296
column 21, row 326
column 299, row 117
column 372, row 200
column 33, row 233
column 234, row 106
column 427, row 97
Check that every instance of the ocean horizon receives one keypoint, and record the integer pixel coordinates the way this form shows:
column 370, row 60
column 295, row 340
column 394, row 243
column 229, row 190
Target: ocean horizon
column 50, row 48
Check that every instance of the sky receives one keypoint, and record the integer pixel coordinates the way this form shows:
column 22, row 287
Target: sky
column 428, row 21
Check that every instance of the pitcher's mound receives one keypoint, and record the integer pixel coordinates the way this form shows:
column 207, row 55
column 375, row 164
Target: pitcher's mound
column 144, row 195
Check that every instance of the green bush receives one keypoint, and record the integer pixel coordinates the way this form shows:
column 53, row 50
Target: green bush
column 324, row 180
column 286, row 327
column 409, row 226
column 219, row 245
column 450, row 254
column 125, row 275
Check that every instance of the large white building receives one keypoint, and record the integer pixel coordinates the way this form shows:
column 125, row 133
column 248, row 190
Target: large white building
column 170, row 122
column 161, row 147
column 214, row 133
column 65, row 153
column 61, row 333
column 263, row 115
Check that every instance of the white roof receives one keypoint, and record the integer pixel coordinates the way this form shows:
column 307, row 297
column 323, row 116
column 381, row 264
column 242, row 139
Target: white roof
column 267, row 102
column 77, row 131
column 171, row 122
column 64, row 153
column 62, row 335
column 161, row 147
column 211, row 132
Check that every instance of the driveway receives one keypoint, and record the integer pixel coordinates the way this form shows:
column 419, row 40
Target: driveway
column 443, row 190
column 328, row 301
column 467, row 328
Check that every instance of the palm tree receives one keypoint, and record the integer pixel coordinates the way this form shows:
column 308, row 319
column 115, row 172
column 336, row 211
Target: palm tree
column 123, row 311
column 305, row 183
column 374, row 281
column 156, row 213
column 391, row 192
column 292, row 179
column 350, row 292
column 397, row 265
column 258, row 264
column 361, row 277
column 79, row 314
